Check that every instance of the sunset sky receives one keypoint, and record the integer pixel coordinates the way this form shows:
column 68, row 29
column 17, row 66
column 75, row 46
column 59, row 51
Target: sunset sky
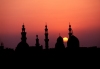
column 84, row 16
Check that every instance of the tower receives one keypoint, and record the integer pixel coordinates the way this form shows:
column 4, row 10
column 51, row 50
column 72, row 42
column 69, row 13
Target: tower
column 22, row 46
column 37, row 41
column 2, row 46
column 70, row 30
column 23, row 33
column 46, row 38
column 73, row 41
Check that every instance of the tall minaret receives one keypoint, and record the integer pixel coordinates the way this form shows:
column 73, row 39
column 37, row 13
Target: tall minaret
column 37, row 41
column 2, row 46
column 46, row 37
column 23, row 33
column 70, row 30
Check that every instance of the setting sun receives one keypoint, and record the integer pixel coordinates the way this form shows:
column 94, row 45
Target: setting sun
column 65, row 39
column 83, row 15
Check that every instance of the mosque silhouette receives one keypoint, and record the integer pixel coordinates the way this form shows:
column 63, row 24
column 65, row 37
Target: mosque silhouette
column 73, row 41
column 25, row 54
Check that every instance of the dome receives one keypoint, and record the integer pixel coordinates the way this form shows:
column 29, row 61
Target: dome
column 59, row 39
column 59, row 44
column 22, row 46
column 73, row 42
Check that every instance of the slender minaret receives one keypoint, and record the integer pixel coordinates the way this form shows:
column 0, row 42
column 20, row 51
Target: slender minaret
column 46, row 38
column 37, row 41
column 23, row 33
column 73, row 41
column 70, row 30
column 2, row 46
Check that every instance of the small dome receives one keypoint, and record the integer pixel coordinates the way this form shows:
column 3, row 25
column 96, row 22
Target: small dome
column 59, row 39
column 22, row 46
column 59, row 44
column 73, row 42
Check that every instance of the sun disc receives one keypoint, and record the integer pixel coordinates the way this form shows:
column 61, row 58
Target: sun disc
column 65, row 39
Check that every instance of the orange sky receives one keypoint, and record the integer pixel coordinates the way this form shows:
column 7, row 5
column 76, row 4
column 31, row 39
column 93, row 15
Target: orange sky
column 84, row 16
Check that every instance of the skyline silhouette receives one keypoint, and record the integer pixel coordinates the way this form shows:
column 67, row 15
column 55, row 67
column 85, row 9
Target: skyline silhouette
column 24, row 52
column 48, row 33
column 73, row 41
column 84, row 17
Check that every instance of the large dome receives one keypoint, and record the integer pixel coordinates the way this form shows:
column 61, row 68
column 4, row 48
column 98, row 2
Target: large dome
column 22, row 46
column 73, row 42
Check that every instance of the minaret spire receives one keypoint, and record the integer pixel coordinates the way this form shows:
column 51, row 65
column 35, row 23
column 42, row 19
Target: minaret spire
column 23, row 33
column 37, row 41
column 23, row 28
column 46, row 37
column 22, row 46
column 2, row 46
column 70, row 30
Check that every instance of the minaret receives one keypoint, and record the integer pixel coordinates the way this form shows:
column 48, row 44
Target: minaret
column 70, row 30
column 22, row 46
column 2, row 46
column 37, row 41
column 23, row 33
column 73, row 41
column 46, row 37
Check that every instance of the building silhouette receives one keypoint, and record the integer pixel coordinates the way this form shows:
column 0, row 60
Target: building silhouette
column 37, row 43
column 59, row 44
column 73, row 41
column 22, row 46
column 46, row 38
column 1, row 46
